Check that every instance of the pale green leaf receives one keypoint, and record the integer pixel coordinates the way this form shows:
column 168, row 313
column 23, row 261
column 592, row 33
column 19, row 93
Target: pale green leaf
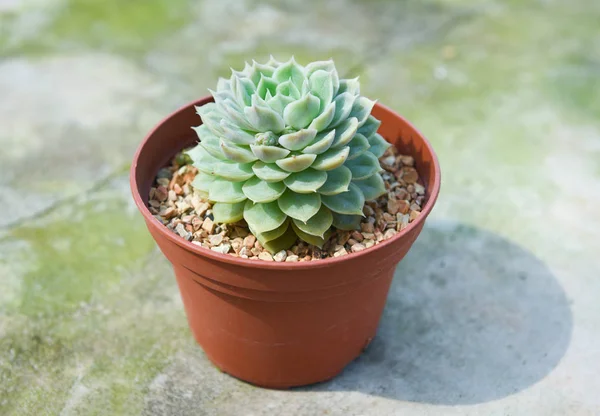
column 358, row 146
column 349, row 203
column 370, row 127
column 343, row 107
column 298, row 139
column 273, row 234
column 236, row 115
column 296, row 163
column 290, row 70
column 222, row 190
column 228, row 213
column 321, row 86
column 269, row 172
column 234, row 134
column 258, row 190
column 242, row 89
column 310, row 239
column 324, row 119
column 318, row 224
column 305, row 182
column 363, row 166
column 263, row 217
column 299, row 206
column 288, row 89
column 279, row 102
column 351, row 86
column 301, row 112
column 337, row 181
column 266, row 84
column 202, row 181
column 378, row 145
column 346, row 222
column 345, row 132
column 321, row 144
column 281, row 243
column 361, row 109
column 212, row 145
column 262, row 117
column 327, row 66
column 269, row 154
column 207, row 163
column 372, row 187
column 331, row 159
column 240, row 154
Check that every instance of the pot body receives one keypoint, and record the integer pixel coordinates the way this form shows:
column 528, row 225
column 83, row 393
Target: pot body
column 280, row 324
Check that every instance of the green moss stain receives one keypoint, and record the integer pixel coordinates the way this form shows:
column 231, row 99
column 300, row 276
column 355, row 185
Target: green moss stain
column 129, row 25
column 78, row 257
column 98, row 316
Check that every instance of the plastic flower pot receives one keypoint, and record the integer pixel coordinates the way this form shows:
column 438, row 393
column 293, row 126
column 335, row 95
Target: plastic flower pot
column 274, row 324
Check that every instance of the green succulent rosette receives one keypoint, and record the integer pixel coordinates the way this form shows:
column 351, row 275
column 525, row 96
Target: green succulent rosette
column 291, row 149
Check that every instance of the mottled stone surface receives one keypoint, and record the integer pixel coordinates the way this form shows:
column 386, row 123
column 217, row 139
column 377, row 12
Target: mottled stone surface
column 494, row 311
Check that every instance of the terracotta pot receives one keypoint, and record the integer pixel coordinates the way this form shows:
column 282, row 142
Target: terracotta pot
column 280, row 324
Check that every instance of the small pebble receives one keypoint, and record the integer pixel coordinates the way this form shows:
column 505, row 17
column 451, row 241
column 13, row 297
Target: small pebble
column 389, row 233
column 249, row 241
column 367, row 227
column 223, row 248
column 215, row 239
column 265, row 255
column 280, row 256
column 356, row 235
column 358, row 247
column 291, row 259
column 208, row 225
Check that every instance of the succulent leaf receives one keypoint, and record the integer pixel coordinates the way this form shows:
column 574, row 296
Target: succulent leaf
column 358, row 146
column 269, row 172
column 262, row 117
column 331, row 159
column 273, row 234
column 345, row 132
column 221, row 190
column 321, row 144
column 343, row 107
column 321, row 86
column 372, row 187
column 378, row 145
column 309, row 238
column 298, row 139
column 263, row 217
column 363, row 166
column 299, row 206
column 296, row 163
column 324, row 119
column 281, row 243
column 351, row 86
column 337, row 181
column 258, row 190
column 349, row 203
column 370, row 127
column 301, row 112
column 268, row 154
column 291, row 149
column 306, row 181
column 240, row 154
column 318, row 224
column 346, row 222
column 361, row 109
column 228, row 213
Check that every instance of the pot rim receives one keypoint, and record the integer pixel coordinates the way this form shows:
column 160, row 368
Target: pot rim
column 259, row 264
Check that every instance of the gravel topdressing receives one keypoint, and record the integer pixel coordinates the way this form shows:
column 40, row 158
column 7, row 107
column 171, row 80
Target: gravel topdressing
column 174, row 203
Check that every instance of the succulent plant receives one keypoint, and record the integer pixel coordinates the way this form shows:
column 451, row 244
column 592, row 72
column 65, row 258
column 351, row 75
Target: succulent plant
column 292, row 150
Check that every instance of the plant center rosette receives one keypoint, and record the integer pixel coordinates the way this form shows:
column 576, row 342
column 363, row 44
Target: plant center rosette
column 292, row 150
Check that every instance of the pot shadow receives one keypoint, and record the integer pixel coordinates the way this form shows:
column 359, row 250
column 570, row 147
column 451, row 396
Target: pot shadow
column 470, row 318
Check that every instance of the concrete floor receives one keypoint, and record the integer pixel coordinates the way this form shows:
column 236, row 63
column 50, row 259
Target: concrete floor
column 494, row 311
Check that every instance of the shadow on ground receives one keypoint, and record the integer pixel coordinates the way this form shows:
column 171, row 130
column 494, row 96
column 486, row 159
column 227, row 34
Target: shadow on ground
column 471, row 317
